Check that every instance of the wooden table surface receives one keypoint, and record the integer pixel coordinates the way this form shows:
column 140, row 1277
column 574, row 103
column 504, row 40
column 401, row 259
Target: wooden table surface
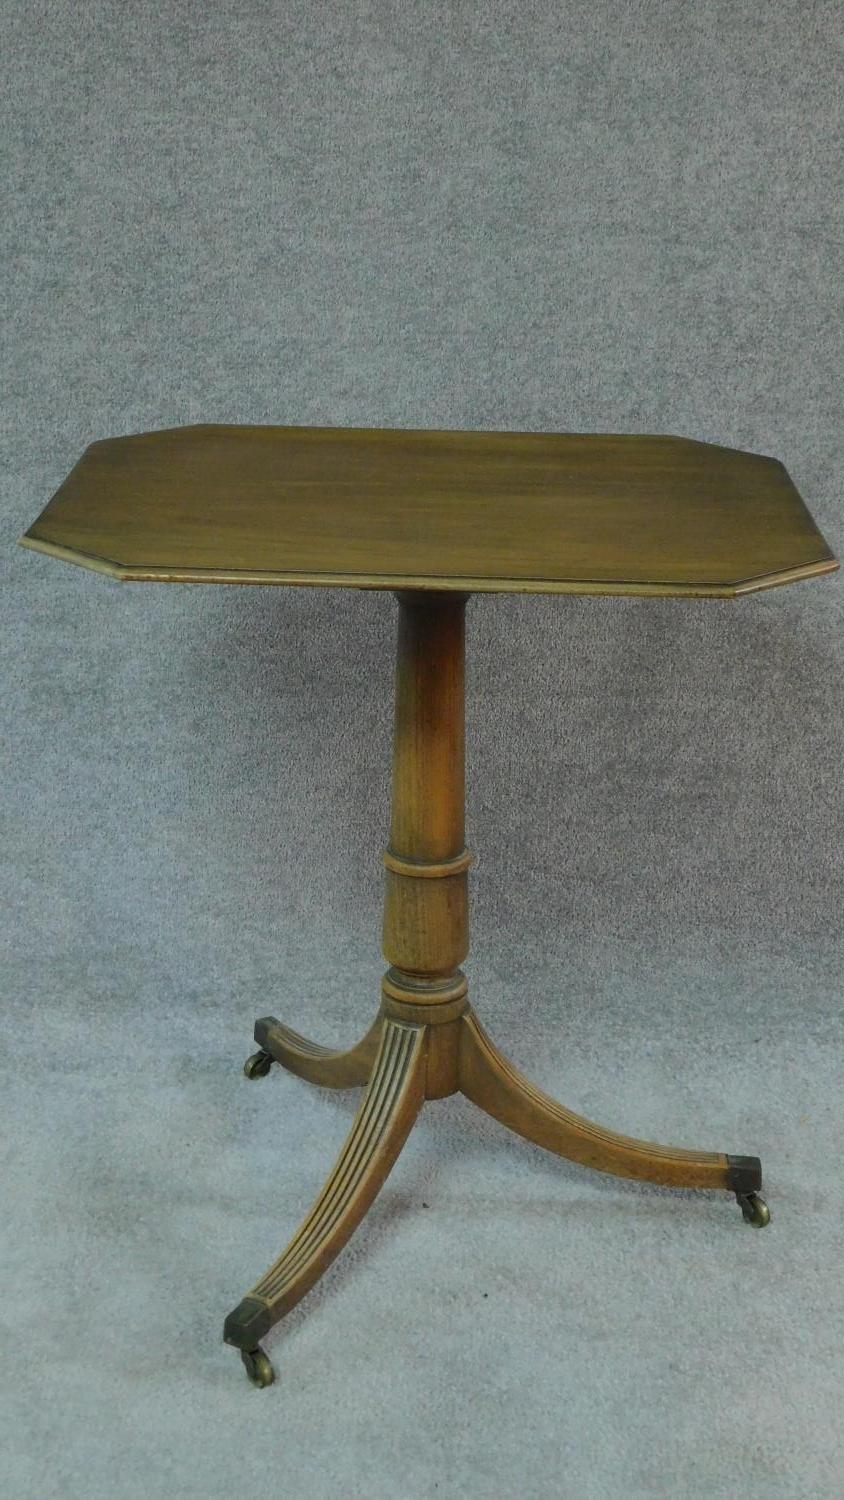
column 391, row 508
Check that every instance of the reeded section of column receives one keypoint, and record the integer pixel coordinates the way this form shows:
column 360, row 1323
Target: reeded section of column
column 426, row 926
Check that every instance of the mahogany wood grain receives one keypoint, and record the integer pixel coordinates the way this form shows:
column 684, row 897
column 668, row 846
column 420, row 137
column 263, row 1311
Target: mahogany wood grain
column 470, row 511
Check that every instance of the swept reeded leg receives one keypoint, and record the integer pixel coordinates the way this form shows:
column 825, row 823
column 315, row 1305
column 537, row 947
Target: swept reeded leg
column 322, row 1065
column 490, row 1081
column 387, row 1112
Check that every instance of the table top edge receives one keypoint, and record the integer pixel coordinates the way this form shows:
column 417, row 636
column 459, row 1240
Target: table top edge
column 139, row 573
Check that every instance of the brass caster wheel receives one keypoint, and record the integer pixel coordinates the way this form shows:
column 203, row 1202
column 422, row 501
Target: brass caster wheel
column 257, row 1366
column 258, row 1065
column 754, row 1210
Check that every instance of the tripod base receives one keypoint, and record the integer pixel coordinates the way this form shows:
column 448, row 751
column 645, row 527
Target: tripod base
column 427, row 1042
column 414, row 1053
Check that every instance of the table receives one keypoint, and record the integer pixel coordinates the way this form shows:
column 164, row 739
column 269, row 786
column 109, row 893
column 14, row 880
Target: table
column 434, row 517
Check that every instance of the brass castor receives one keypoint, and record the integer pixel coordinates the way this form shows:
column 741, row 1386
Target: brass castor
column 257, row 1366
column 754, row 1210
column 258, row 1065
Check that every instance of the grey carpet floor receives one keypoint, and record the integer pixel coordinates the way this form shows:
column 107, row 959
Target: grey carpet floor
column 504, row 1323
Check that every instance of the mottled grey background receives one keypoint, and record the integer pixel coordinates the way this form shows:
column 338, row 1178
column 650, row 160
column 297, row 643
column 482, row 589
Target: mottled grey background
column 578, row 216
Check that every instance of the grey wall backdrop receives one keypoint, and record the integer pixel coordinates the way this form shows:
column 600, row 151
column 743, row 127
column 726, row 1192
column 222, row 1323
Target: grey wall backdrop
column 561, row 216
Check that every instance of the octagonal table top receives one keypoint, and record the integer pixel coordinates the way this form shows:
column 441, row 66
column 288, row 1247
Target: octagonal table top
column 472, row 511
